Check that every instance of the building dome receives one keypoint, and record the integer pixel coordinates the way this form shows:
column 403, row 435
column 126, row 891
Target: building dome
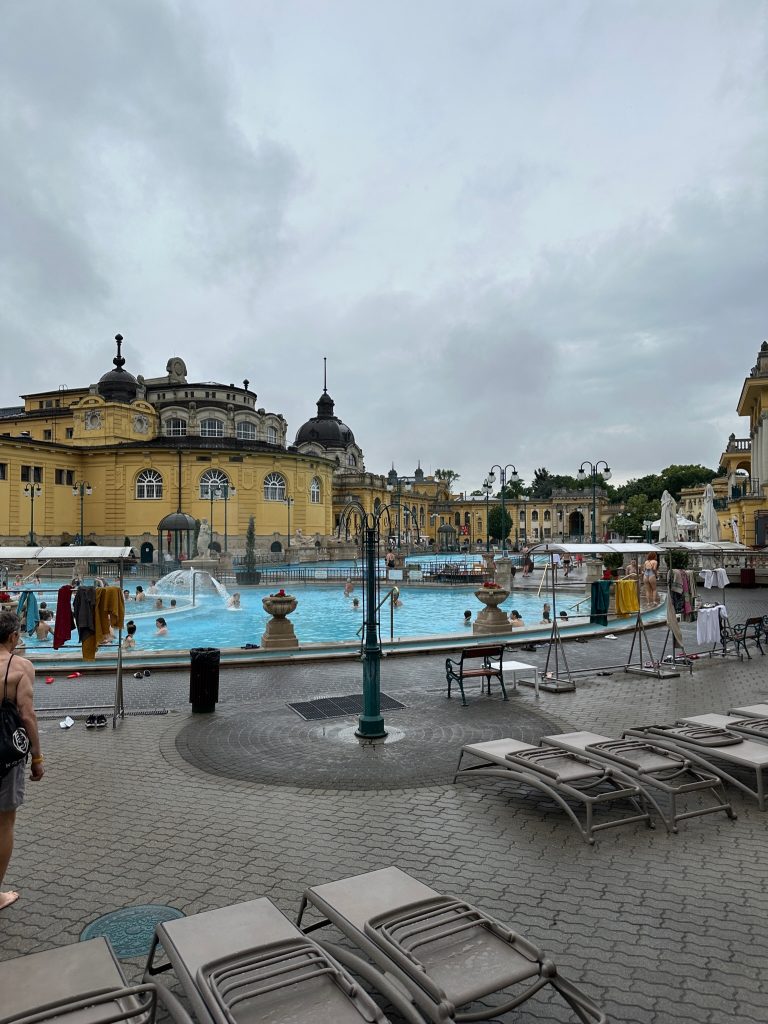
column 325, row 429
column 118, row 385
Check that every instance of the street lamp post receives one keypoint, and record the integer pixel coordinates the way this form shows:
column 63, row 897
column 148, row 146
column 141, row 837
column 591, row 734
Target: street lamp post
column 371, row 723
column 647, row 525
column 225, row 491
column 514, row 478
column 487, row 489
column 81, row 489
column 289, row 502
column 594, row 472
column 32, row 491
column 397, row 484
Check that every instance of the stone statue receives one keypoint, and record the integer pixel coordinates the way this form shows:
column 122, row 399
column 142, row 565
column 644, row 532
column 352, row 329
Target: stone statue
column 203, row 539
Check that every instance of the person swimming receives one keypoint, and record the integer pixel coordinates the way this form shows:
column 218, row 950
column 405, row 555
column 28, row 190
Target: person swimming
column 162, row 627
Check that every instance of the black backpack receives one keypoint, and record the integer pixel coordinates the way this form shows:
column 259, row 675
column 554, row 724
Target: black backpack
column 14, row 742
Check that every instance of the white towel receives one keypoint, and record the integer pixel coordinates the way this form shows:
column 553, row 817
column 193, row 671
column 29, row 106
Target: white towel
column 706, row 575
column 722, row 578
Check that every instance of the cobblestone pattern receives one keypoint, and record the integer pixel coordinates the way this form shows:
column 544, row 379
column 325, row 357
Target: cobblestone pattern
column 657, row 928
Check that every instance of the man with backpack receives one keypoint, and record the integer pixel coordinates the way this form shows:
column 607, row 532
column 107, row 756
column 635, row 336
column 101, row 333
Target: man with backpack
column 16, row 678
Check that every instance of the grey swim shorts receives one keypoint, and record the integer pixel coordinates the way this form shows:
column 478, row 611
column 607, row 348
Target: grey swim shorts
column 12, row 788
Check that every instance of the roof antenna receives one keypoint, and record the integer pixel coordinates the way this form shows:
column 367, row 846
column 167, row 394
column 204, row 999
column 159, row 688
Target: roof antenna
column 325, row 375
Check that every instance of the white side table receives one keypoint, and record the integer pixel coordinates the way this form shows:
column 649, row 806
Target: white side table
column 514, row 670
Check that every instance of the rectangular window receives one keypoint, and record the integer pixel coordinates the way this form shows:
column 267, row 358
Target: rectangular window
column 65, row 477
column 59, row 476
column 3, row 470
column 70, row 433
column 47, row 435
column 32, row 474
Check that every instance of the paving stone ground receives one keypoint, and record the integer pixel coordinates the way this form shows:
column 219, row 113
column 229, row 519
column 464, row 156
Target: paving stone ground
column 657, row 928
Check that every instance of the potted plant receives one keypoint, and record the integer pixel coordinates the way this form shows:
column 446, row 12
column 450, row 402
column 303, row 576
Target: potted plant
column 678, row 559
column 612, row 562
column 250, row 574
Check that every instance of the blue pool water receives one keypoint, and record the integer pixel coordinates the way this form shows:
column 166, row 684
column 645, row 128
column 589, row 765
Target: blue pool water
column 323, row 615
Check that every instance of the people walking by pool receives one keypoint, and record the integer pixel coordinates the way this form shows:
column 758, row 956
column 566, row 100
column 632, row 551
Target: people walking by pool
column 18, row 674
column 650, row 569
column 162, row 627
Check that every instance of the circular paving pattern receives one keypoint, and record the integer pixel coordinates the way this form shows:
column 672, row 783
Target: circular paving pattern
column 273, row 745
column 130, row 930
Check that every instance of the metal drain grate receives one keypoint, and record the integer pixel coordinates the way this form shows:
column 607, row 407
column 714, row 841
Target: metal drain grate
column 339, row 707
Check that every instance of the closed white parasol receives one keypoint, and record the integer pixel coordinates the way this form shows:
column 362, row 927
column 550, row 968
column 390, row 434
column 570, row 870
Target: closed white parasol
column 668, row 521
column 710, row 524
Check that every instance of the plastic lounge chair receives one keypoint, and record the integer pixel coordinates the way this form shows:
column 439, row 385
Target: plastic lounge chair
column 751, row 711
column 651, row 766
column 83, row 982
column 712, row 749
column 248, row 963
column 754, row 728
column 561, row 776
column 444, row 952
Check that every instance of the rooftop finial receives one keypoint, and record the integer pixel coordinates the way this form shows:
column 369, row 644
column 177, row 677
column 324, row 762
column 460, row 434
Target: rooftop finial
column 118, row 360
column 325, row 374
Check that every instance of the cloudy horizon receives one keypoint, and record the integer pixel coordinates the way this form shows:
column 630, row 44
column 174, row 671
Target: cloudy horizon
column 520, row 232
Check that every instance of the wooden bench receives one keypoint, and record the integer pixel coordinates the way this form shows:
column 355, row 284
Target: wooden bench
column 483, row 663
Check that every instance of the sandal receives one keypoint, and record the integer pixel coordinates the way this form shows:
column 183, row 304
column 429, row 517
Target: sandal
column 90, row 722
column 138, row 675
column 101, row 721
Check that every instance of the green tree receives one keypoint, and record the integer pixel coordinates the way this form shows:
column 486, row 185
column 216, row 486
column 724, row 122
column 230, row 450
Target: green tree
column 673, row 479
column 544, row 483
column 498, row 528
column 448, row 475
column 638, row 509
column 250, row 545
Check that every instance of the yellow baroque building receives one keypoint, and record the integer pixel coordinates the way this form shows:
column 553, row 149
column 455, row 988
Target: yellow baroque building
column 118, row 456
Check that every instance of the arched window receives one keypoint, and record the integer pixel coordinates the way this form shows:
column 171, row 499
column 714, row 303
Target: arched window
column 422, row 518
column 547, row 516
column 175, row 427
column 211, row 428
column 274, row 487
column 149, row 484
column 314, row 491
column 351, row 460
column 272, row 435
column 457, row 519
column 376, row 505
column 245, row 431
column 534, row 516
column 212, row 480
column 466, row 518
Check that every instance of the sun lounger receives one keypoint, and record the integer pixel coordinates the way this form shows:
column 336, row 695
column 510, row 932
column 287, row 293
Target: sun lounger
column 751, row 711
column 651, row 766
column 754, row 728
column 561, row 776
column 444, row 952
column 712, row 749
column 83, row 982
column 248, row 963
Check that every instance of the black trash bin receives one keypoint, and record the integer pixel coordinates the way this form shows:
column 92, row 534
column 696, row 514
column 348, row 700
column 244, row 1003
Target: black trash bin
column 747, row 577
column 204, row 678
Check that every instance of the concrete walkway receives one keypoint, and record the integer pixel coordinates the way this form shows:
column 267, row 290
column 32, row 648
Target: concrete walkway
column 199, row 812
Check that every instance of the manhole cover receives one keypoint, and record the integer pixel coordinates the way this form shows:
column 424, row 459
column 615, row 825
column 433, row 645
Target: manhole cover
column 130, row 930
column 337, row 707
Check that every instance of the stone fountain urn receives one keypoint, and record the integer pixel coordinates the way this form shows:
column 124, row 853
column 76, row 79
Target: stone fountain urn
column 491, row 619
column 279, row 631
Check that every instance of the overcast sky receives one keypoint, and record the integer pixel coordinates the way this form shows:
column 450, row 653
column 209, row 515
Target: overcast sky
column 527, row 231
